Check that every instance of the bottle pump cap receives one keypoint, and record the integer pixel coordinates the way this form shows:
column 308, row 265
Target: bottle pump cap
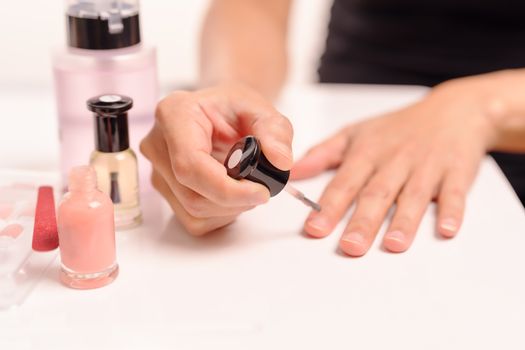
column 103, row 24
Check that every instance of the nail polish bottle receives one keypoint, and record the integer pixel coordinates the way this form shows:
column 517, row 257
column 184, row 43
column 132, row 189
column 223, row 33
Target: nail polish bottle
column 86, row 233
column 246, row 160
column 113, row 160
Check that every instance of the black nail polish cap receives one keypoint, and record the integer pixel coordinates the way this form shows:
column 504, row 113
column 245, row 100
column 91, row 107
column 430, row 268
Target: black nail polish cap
column 247, row 161
column 111, row 122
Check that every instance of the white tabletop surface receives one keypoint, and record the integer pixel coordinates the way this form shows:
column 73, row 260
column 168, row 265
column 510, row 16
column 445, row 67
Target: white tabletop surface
column 261, row 284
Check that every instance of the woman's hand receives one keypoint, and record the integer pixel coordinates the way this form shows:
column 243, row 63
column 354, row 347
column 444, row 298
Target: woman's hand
column 431, row 149
column 193, row 132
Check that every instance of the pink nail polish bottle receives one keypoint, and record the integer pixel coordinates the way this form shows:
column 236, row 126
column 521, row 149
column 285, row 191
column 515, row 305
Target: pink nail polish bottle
column 86, row 232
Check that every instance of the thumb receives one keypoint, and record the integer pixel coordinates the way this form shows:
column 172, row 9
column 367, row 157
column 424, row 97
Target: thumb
column 275, row 132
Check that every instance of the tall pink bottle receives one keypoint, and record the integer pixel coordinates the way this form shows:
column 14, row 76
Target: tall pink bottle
column 86, row 231
column 104, row 55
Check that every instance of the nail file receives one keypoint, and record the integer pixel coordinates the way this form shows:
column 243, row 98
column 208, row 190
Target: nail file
column 45, row 233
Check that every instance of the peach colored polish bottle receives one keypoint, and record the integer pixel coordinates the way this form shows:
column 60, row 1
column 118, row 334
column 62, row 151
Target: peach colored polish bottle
column 86, row 231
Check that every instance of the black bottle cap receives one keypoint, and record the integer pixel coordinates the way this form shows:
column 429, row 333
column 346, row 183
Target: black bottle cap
column 111, row 122
column 247, row 161
column 90, row 29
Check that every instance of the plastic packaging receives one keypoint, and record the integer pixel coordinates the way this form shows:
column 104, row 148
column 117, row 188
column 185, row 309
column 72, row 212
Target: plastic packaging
column 20, row 267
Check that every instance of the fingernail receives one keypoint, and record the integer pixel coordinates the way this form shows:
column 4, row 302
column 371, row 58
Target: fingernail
column 449, row 227
column 259, row 198
column 317, row 226
column 353, row 244
column 284, row 150
column 395, row 241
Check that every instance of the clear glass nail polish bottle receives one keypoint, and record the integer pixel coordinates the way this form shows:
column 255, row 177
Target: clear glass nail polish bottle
column 113, row 160
column 86, row 233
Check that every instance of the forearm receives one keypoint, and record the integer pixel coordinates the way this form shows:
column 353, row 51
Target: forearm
column 245, row 40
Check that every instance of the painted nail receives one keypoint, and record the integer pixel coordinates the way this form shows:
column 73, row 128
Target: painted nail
column 353, row 244
column 28, row 211
column 317, row 226
column 5, row 210
column 13, row 230
column 449, row 227
column 395, row 241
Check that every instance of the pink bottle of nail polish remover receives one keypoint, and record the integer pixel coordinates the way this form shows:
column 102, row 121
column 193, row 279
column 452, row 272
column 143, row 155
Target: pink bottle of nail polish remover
column 86, row 231
column 104, row 55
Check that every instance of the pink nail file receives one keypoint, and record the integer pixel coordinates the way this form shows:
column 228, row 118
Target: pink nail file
column 45, row 233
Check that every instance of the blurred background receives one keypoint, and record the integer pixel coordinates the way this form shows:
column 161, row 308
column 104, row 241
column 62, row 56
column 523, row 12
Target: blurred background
column 31, row 29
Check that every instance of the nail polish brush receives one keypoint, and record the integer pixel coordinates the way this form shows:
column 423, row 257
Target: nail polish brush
column 245, row 160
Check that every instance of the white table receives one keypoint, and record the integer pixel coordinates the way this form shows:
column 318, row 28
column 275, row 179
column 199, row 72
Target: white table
column 260, row 284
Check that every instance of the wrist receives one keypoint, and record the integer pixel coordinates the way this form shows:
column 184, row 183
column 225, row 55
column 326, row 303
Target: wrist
column 503, row 106
column 478, row 104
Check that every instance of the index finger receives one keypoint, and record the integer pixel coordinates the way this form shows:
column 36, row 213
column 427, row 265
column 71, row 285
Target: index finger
column 258, row 117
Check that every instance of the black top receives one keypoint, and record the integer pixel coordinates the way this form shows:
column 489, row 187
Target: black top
column 111, row 122
column 89, row 27
column 245, row 160
column 421, row 42
column 95, row 34
column 426, row 42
